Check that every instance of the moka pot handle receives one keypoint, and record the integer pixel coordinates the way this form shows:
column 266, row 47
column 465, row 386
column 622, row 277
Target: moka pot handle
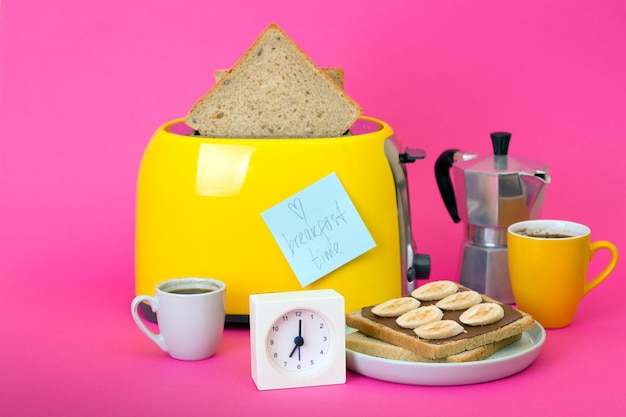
column 444, row 183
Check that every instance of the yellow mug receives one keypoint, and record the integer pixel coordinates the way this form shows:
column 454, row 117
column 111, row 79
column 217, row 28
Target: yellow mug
column 548, row 264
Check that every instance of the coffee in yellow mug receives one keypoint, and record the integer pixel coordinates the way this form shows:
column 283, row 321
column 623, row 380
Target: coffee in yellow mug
column 548, row 266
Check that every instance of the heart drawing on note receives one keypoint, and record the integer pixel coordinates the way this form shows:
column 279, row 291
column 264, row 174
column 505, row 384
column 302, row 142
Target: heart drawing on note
column 297, row 208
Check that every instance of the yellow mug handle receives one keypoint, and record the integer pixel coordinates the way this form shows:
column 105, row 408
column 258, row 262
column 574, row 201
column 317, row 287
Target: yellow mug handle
column 602, row 244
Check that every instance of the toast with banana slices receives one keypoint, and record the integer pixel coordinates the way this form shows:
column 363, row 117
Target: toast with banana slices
column 441, row 319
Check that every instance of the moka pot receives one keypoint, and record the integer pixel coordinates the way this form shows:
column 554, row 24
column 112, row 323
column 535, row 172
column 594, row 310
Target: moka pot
column 489, row 193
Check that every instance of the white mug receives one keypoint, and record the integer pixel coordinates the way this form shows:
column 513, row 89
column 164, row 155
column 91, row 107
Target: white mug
column 190, row 315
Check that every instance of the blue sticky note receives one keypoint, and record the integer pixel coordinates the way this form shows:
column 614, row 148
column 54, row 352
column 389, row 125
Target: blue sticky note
column 318, row 229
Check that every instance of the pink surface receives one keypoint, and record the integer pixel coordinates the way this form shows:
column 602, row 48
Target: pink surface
column 83, row 85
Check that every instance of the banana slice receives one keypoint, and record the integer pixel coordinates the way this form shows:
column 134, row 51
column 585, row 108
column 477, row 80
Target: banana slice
column 441, row 329
column 481, row 314
column 435, row 290
column 419, row 317
column 460, row 301
column 395, row 307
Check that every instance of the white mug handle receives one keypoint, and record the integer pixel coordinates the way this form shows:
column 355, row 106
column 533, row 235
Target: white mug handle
column 134, row 307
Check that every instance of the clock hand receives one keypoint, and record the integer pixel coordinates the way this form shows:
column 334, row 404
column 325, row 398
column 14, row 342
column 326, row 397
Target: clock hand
column 298, row 340
column 300, row 336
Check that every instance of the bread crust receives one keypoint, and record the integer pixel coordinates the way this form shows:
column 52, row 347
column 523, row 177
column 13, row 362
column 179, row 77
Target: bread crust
column 439, row 349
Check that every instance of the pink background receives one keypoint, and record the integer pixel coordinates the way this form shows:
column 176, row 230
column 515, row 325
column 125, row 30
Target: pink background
column 83, row 85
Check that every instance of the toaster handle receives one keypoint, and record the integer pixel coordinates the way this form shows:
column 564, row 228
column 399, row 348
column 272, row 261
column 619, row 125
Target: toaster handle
column 444, row 183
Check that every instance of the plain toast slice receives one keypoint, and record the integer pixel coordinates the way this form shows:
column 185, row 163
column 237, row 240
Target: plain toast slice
column 274, row 91
column 359, row 342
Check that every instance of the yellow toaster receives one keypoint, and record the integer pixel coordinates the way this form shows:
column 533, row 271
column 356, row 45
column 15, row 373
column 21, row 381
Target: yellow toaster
column 199, row 204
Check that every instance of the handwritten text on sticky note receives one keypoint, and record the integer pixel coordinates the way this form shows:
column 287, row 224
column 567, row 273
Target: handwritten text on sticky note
column 318, row 229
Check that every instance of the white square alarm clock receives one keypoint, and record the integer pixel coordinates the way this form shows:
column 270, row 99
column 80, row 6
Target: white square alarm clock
column 297, row 339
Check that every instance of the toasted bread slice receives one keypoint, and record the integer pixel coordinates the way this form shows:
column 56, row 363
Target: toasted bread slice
column 335, row 73
column 359, row 342
column 274, row 91
column 514, row 322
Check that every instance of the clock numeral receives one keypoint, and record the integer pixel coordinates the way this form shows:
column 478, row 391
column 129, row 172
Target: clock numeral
column 276, row 356
column 275, row 328
column 312, row 362
column 321, row 325
column 322, row 352
column 298, row 313
column 271, row 342
column 325, row 338
column 285, row 318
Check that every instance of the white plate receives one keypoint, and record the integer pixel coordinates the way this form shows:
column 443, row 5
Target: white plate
column 506, row 362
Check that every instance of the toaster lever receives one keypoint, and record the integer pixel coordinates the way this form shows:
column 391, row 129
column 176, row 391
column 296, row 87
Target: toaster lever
column 411, row 155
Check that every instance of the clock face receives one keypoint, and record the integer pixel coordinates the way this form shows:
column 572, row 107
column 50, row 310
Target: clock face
column 299, row 340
